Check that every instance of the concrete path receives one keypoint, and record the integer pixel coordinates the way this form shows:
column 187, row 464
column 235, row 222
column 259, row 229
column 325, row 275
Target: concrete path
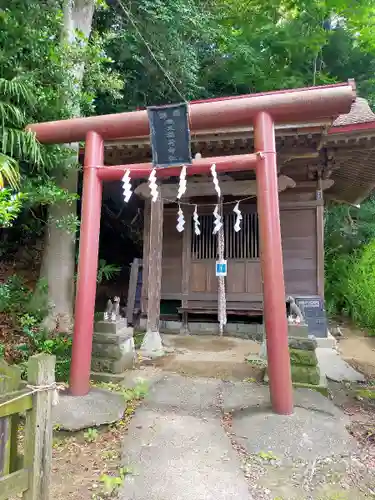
column 335, row 368
column 178, row 449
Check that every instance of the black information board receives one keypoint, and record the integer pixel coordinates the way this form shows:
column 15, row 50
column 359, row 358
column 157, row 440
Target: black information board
column 170, row 135
column 313, row 310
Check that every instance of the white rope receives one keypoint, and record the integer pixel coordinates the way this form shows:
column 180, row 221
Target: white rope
column 37, row 388
column 222, row 306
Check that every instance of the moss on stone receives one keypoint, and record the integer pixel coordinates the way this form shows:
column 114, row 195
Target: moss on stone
column 366, row 394
column 305, row 374
column 304, row 358
column 318, row 388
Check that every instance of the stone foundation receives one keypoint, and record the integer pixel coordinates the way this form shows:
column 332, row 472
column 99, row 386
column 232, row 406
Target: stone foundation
column 250, row 331
column 113, row 350
column 303, row 362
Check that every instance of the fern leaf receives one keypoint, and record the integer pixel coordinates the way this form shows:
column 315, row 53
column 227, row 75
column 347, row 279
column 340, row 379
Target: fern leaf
column 18, row 90
column 21, row 144
column 11, row 115
column 9, row 171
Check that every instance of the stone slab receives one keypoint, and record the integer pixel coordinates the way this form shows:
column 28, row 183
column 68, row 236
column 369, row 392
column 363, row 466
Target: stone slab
column 115, row 378
column 302, row 343
column 148, row 375
column 180, row 457
column 328, row 342
column 111, row 351
column 238, row 396
column 335, row 368
column 298, row 331
column 305, row 435
column 110, row 326
column 105, row 365
column 98, row 407
column 195, row 396
column 114, row 338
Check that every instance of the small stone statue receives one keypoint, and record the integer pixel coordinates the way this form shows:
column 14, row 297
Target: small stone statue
column 108, row 310
column 294, row 313
column 112, row 311
column 116, row 309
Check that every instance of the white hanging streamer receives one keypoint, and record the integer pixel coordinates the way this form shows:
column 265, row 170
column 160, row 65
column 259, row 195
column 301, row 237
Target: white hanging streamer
column 153, row 186
column 197, row 224
column 217, row 222
column 237, row 211
column 182, row 184
column 215, row 180
column 180, row 219
column 126, row 186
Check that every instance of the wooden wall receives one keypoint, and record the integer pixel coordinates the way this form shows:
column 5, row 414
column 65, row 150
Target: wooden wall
column 300, row 224
column 172, row 258
column 298, row 231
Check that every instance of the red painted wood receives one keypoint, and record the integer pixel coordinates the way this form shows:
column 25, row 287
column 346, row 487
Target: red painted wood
column 143, row 170
column 275, row 320
column 284, row 106
column 87, row 267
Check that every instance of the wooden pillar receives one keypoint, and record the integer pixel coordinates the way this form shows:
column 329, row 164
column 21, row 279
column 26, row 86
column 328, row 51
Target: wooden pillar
column 320, row 240
column 186, row 268
column 146, row 247
column 132, row 290
column 155, row 265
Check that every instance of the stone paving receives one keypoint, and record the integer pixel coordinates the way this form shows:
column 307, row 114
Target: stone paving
column 179, row 449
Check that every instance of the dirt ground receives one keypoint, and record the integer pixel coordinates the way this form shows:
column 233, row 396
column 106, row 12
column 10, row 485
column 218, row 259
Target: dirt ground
column 358, row 350
column 212, row 357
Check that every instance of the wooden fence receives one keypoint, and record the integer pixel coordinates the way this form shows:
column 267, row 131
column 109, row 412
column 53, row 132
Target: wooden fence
column 28, row 474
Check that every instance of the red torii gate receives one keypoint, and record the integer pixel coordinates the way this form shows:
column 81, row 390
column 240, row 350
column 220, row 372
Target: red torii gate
column 260, row 110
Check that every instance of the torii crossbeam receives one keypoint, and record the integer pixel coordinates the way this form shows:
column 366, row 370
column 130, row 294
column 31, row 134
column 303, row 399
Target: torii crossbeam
column 262, row 111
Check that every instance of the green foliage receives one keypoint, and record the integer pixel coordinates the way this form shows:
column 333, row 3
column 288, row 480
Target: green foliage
column 10, row 207
column 106, row 271
column 112, row 483
column 361, row 288
column 28, row 309
column 36, row 68
column 350, row 257
column 91, row 435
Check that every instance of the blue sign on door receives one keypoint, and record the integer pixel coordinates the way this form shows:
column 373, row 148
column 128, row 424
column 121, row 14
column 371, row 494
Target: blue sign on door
column 221, row 268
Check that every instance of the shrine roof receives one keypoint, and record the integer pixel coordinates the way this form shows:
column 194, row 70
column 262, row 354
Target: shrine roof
column 343, row 149
column 360, row 113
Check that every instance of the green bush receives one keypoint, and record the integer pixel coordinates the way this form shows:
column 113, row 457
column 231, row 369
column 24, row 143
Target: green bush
column 17, row 299
column 361, row 288
column 337, row 270
column 28, row 309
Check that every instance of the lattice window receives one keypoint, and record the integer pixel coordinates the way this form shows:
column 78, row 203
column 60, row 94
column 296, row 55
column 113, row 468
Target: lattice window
column 241, row 245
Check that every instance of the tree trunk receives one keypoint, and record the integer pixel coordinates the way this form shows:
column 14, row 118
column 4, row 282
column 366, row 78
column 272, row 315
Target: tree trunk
column 58, row 263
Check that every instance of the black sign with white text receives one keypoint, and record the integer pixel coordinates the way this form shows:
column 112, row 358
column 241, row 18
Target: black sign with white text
column 170, row 135
column 313, row 310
